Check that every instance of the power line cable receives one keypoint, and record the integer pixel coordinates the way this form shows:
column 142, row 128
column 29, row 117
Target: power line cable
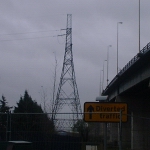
column 28, row 38
column 27, row 32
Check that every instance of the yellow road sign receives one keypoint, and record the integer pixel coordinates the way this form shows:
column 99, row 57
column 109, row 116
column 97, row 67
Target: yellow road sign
column 104, row 112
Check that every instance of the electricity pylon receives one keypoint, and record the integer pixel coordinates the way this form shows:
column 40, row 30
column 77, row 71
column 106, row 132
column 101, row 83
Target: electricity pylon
column 67, row 98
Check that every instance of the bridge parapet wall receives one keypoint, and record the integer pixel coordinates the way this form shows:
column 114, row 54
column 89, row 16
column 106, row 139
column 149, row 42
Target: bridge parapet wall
column 134, row 72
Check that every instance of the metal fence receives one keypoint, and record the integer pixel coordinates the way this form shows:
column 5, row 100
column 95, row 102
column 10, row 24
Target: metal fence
column 41, row 130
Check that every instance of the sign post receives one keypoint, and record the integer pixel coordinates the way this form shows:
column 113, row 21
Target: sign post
column 120, row 131
column 106, row 112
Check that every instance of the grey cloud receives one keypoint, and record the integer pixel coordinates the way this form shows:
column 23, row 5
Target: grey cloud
column 27, row 60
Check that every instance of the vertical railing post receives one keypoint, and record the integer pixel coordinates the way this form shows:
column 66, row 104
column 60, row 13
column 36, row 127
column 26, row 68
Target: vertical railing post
column 7, row 125
column 10, row 126
column 105, row 136
column 120, row 131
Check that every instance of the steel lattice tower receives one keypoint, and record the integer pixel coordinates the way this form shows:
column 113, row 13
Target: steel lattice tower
column 67, row 98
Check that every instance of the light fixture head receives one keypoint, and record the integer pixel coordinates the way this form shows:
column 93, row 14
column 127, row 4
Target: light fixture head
column 101, row 98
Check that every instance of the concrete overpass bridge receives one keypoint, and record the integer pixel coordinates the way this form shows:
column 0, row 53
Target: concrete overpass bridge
column 132, row 85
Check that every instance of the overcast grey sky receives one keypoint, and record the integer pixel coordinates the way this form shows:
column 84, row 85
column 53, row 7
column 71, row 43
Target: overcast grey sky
column 29, row 43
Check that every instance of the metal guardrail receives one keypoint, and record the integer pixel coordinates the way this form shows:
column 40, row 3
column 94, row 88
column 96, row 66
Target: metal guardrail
column 129, row 64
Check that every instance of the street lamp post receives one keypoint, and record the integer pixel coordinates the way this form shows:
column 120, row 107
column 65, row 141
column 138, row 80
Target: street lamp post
column 103, row 75
column 117, row 43
column 108, row 62
column 100, row 91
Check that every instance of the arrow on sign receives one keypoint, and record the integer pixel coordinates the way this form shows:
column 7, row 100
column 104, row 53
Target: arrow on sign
column 90, row 109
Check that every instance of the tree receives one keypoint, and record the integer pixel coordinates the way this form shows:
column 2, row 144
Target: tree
column 4, row 110
column 83, row 129
column 27, row 105
column 29, row 122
